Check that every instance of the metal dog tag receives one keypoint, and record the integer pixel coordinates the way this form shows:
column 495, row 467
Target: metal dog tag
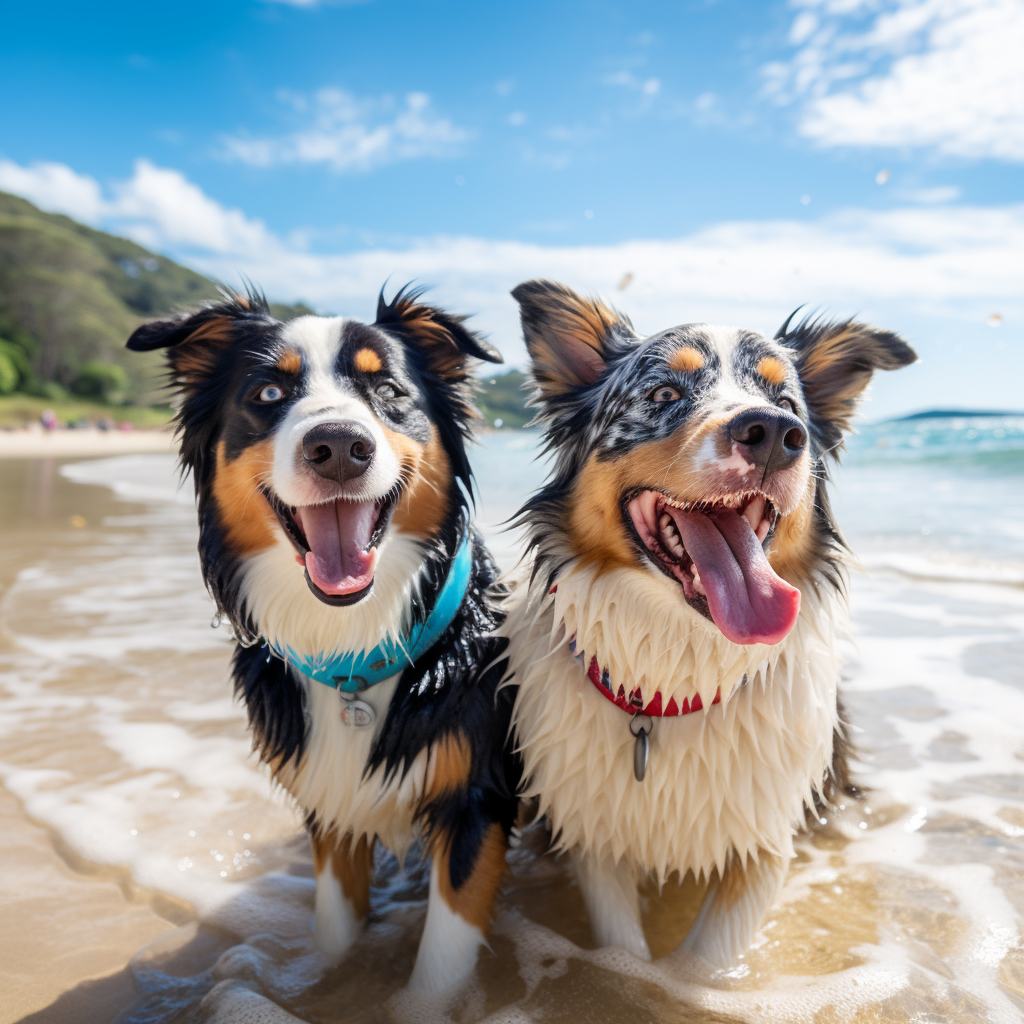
column 358, row 714
column 640, row 726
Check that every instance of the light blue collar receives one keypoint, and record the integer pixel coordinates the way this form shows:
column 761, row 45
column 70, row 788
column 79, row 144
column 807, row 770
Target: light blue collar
column 354, row 672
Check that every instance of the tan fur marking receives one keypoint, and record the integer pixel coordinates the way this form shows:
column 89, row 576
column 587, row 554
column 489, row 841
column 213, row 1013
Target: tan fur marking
column 595, row 525
column 596, row 528
column 446, row 358
column 451, row 760
column 792, row 548
column 195, row 357
column 350, row 862
column 367, row 361
column 833, row 392
column 686, row 359
column 424, row 502
column 289, row 362
column 585, row 321
column 244, row 513
column 473, row 901
column 773, row 370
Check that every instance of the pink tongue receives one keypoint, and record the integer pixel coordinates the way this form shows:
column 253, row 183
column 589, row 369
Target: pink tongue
column 338, row 535
column 749, row 602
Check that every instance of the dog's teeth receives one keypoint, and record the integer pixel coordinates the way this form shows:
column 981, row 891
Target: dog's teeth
column 665, row 521
column 762, row 530
column 754, row 512
column 697, row 584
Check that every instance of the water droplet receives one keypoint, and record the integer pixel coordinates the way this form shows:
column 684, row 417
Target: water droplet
column 995, row 320
column 589, row 214
column 882, row 176
column 805, row 200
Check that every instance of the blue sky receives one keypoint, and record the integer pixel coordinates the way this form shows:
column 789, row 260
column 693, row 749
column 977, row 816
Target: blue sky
column 735, row 158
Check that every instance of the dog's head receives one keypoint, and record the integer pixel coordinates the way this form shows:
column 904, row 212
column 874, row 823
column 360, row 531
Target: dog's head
column 695, row 454
column 324, row 431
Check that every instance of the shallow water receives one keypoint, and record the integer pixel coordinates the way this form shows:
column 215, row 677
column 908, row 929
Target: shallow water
column 137, row 827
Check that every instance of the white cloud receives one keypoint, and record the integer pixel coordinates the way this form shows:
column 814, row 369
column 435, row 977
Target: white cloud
column 942, row 74
column 626, row 79
column 54, row 187
column 348, row 133
column 158, row 207
column 934, row 271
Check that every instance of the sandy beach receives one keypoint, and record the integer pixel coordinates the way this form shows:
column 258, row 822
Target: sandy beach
column 86, row 443
column 154, row 872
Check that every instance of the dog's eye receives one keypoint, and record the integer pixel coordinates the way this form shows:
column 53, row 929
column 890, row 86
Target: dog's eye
column 787, row 403
column 665, row 394
column 271, row 393
column 388, row 390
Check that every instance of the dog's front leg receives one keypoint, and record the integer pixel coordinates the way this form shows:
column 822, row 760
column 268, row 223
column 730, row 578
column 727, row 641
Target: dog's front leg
column 734, row 908
column 344, row 868
column 613, row 903
column 465, row 874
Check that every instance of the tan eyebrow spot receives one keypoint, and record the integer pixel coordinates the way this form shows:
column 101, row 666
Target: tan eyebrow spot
column 367, row 361
column 289, row 362
column 686, row 359
column 773, row 370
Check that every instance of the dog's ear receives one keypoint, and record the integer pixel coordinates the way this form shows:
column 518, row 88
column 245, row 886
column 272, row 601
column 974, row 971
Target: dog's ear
column 196, row 341
column 442, row 338
column 568, row 336
column 835, row 362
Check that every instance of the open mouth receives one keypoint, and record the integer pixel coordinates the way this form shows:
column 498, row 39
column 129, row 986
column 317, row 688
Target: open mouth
column 716, row 551
column 337, row 543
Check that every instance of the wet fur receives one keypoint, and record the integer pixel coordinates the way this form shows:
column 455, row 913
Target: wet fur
column 726, row 787
column 438, row 764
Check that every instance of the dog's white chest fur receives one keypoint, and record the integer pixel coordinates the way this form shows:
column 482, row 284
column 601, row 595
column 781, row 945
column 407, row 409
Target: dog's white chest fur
column 735, row 776
column 330, row 781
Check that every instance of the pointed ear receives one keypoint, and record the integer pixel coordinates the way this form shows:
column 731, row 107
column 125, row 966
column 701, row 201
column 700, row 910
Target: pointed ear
column 836, row 362
column 196, row 341
column 568, row 337
column 441, row 337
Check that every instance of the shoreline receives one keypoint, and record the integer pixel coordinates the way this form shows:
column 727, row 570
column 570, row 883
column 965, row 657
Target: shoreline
column 85, row 443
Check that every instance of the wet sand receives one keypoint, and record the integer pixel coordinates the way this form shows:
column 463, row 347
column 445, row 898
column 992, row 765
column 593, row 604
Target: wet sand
column 149, row 868
column 85, row 443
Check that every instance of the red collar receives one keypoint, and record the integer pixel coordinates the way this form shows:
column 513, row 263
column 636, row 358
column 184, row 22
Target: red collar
column 633, row 702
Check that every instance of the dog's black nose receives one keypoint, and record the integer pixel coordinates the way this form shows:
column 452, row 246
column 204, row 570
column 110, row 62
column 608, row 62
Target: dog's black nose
column 339, row 451
column 772, row 439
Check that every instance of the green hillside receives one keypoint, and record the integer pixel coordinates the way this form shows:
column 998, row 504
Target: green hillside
column 69, row 298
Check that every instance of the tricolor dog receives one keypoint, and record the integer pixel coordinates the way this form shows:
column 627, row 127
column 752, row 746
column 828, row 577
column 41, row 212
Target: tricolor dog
column 674, row 651
column 332, row 480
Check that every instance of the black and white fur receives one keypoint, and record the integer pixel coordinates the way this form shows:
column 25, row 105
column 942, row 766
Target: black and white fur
column 436, row 763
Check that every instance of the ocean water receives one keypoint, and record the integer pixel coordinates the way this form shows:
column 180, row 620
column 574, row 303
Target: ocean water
column 153, row 873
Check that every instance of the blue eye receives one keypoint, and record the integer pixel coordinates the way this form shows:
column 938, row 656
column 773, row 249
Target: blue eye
column 271, row 393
